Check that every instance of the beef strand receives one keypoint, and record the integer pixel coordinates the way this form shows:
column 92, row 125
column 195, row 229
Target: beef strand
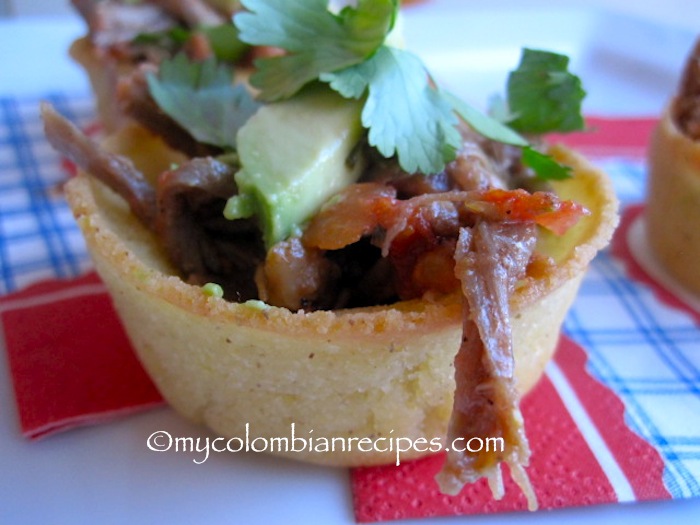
column 490, row 258
column 116, row 171
column 185, row 210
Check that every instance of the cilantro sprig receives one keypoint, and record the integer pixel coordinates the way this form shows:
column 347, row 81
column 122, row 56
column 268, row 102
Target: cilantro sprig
column 405, row 112
column 317, row 40
column 201, row 97
column 543, row 96
column 410, row 119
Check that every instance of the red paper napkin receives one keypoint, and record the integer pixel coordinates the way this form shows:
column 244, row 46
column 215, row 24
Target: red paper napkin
column 70, row 360
column 582, row 453
column 606, row 137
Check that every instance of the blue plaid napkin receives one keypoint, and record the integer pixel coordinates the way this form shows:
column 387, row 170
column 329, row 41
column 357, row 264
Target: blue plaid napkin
column 38, row 236
column 646, row 352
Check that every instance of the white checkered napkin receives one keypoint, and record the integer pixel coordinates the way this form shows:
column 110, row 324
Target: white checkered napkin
column 38, row 236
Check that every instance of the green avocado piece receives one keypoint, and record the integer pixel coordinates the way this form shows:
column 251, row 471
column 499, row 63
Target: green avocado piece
column 294, row 156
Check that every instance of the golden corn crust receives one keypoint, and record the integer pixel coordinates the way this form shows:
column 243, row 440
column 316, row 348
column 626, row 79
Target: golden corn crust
column 673, row 202
column 366, row 372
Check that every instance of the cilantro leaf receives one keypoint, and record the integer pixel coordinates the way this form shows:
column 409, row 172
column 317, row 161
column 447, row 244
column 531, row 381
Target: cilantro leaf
column 405, row 115
column 485, row 125
column 543, row 95
column 201, row 98
column 225, row 42
column 317, row 40
column 544, row 166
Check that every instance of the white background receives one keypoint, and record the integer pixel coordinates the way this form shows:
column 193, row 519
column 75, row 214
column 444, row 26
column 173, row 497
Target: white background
column 104, row 474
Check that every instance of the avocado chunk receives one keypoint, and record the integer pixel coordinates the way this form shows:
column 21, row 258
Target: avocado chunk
column 294, row 156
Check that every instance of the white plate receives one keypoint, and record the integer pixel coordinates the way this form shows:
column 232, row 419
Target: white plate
column 106, row 474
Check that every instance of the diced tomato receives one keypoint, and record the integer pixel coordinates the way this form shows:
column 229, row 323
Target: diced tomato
column 351, row 214
column 542, row 208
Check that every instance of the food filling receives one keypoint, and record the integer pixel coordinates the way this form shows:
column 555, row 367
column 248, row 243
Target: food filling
column 306, row 199
column 686, row 106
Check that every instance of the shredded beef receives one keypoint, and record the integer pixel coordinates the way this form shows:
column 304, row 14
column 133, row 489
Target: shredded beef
column 115, row 28
column 418, row 184
column 185, row 210
column 473, row 169
column 480, row 164
column 490, row 258
column 116, row 171
column 194, row 13
column 686, row 107
column 112, row 23
column 364, row 277
column 297, row 277
column 201, row 243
